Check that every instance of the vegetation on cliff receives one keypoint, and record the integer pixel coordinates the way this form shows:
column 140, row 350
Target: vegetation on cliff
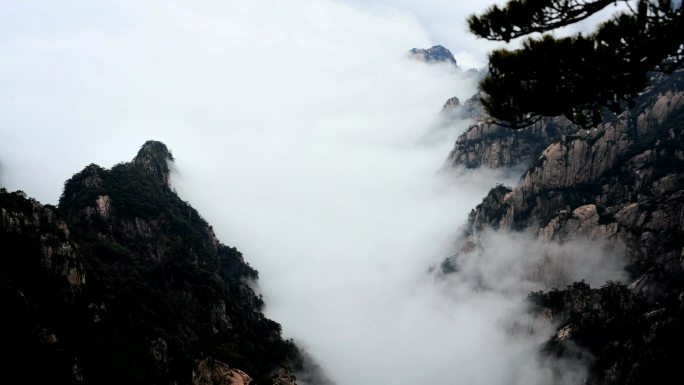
column 622, row 181
column 615, row 177
column 162, row 301
column 627, row 337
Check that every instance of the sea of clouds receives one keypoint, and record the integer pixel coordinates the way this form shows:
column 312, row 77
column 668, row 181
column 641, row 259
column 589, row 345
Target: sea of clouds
column 308, row 139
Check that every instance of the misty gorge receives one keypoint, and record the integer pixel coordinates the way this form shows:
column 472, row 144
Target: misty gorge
column 338, row 192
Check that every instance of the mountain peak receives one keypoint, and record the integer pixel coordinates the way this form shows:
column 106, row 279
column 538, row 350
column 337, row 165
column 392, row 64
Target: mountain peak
column 451, row 104
column 153, row 157
column 435, row 54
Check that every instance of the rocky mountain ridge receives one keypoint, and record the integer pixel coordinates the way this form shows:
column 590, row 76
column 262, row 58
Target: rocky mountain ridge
column 124, row 282
column 435, row 54
column 488, row 144
column 620, row 181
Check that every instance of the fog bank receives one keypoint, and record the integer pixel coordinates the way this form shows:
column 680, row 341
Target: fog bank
column 310, row 142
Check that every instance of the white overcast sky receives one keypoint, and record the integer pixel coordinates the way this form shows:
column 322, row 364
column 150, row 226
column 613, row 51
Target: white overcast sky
column 60, row 58
column 76, row 74
column 445, row 23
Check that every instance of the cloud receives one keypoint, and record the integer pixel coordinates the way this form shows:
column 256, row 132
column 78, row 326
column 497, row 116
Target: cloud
column 518, row 263
column 307, row 140
column 114, row 75
column 445, row 23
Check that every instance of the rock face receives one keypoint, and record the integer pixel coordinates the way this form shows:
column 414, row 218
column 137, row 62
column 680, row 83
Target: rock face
column 470, row 109
column 211, row 372
column 436, row 54
column 490, row 145
column 24, row 220
column 153, row 157
column 493, row 146
column 622, row 180
column 42, row 279
column 451, row 104
column 137, row 289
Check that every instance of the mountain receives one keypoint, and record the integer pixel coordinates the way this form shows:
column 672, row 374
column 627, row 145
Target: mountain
column 487, row 144
column 622, row 181
column 435, row 54
column 125, row 283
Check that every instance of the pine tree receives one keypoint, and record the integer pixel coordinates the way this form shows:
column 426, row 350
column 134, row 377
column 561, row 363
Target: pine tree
column 580, row 76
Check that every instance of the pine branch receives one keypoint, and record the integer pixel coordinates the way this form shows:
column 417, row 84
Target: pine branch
column 523, row 17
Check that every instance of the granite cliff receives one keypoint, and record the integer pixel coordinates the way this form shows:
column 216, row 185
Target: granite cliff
column 487, row 144
column 435, row 54
column 124, row 282
column 622, row 181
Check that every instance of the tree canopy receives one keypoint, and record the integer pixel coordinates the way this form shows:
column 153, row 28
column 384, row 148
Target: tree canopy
column 578, row 76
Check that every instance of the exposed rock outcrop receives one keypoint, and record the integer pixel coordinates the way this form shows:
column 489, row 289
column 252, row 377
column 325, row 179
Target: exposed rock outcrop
column 211, row 372
column 622, row 181
column 451, row 104
column 42, row 281
column 487, row 144
column 493, row 146
column 25, row 220
column 154, row 158
column 470, row 109
column 435, row 54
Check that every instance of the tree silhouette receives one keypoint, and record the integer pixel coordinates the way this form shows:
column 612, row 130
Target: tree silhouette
column 578, row 76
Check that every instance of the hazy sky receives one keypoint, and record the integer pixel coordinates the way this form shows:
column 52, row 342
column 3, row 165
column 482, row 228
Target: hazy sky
column 445, row 23
column 75, row 75
column 310, row 142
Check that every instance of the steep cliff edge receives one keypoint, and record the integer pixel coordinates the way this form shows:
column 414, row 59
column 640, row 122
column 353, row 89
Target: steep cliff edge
column 42, row 278
column 137, row 290
column 621, row 181
column 493, row 146
column 490, row 145
column 434, row 54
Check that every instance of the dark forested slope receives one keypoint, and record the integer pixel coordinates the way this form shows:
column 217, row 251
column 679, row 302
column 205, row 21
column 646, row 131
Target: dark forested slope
column 124, row 282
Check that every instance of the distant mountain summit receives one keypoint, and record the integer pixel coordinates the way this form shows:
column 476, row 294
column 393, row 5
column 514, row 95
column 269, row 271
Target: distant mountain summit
column 436, row 54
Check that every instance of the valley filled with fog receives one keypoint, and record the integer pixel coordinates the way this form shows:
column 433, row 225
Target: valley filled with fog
column 308, row 139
